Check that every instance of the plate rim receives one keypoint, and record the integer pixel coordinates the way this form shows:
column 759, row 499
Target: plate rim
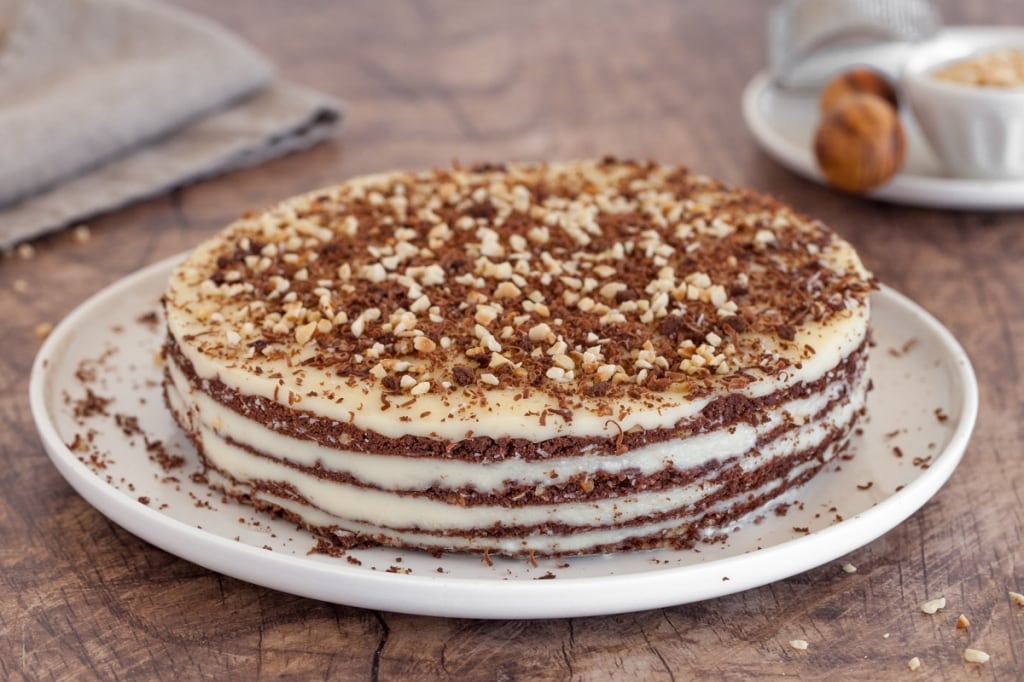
column 453, row 596
column 914, row 190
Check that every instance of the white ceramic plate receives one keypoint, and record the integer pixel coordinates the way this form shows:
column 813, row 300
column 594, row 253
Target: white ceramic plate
column 783, row 123
column 109, row 347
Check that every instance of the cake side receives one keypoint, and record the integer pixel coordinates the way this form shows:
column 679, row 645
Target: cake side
column 658, row 495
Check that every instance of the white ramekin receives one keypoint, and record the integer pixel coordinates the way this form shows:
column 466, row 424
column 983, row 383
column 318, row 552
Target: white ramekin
column 977, row 131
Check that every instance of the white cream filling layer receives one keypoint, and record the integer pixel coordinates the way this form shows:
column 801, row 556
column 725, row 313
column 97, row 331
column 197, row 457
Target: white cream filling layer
column 221, row 426
column 347, row 504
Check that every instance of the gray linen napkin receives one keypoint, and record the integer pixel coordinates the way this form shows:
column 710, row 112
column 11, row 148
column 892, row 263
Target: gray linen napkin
column 106, row 102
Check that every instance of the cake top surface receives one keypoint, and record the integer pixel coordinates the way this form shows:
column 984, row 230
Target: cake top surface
column 606, row 285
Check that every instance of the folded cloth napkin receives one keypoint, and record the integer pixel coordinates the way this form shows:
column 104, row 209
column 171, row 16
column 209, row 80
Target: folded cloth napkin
column 105, row 102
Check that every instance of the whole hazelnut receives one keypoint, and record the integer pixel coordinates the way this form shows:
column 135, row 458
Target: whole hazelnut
column 860, row 143
column 859, row 81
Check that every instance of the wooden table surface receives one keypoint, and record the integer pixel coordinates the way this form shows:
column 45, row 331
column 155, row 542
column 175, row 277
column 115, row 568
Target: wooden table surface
column 427, row 82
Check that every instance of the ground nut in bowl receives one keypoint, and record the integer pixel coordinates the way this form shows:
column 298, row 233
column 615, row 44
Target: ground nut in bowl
column 969, row 101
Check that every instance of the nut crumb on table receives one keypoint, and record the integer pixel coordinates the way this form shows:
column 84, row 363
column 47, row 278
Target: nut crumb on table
column 42, row 330
column 81, row 234
column 933, row 605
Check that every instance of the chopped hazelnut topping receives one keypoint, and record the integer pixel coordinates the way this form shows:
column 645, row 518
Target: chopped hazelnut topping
column 486, row 314
column 540, row 332
column 305, row 333
column 564, row 361
column 914, row 664
column 933, row 605
column 611, row 289
column 598, row 279
column 975, row 656
column 423, row 345
column 798, row 644
column 507, row 290
column 420, row 305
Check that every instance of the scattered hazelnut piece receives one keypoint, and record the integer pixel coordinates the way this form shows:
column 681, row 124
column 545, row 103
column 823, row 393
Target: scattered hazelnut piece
column 962, row 623
column 42, row 330
column 860, row 143
column 1017, row 598
column 81, row 234
column 25, row 251
column 933, row 605
column 798, row 644
column 975, row 656
column 914, row 663
column 849, row 568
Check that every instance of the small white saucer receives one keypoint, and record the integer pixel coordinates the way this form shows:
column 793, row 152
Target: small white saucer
column 783, row 123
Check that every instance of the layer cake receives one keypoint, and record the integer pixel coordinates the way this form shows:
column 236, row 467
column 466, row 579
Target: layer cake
column 556, row 358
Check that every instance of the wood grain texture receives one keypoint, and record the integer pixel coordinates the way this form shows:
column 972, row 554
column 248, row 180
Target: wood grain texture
column 428, row 82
